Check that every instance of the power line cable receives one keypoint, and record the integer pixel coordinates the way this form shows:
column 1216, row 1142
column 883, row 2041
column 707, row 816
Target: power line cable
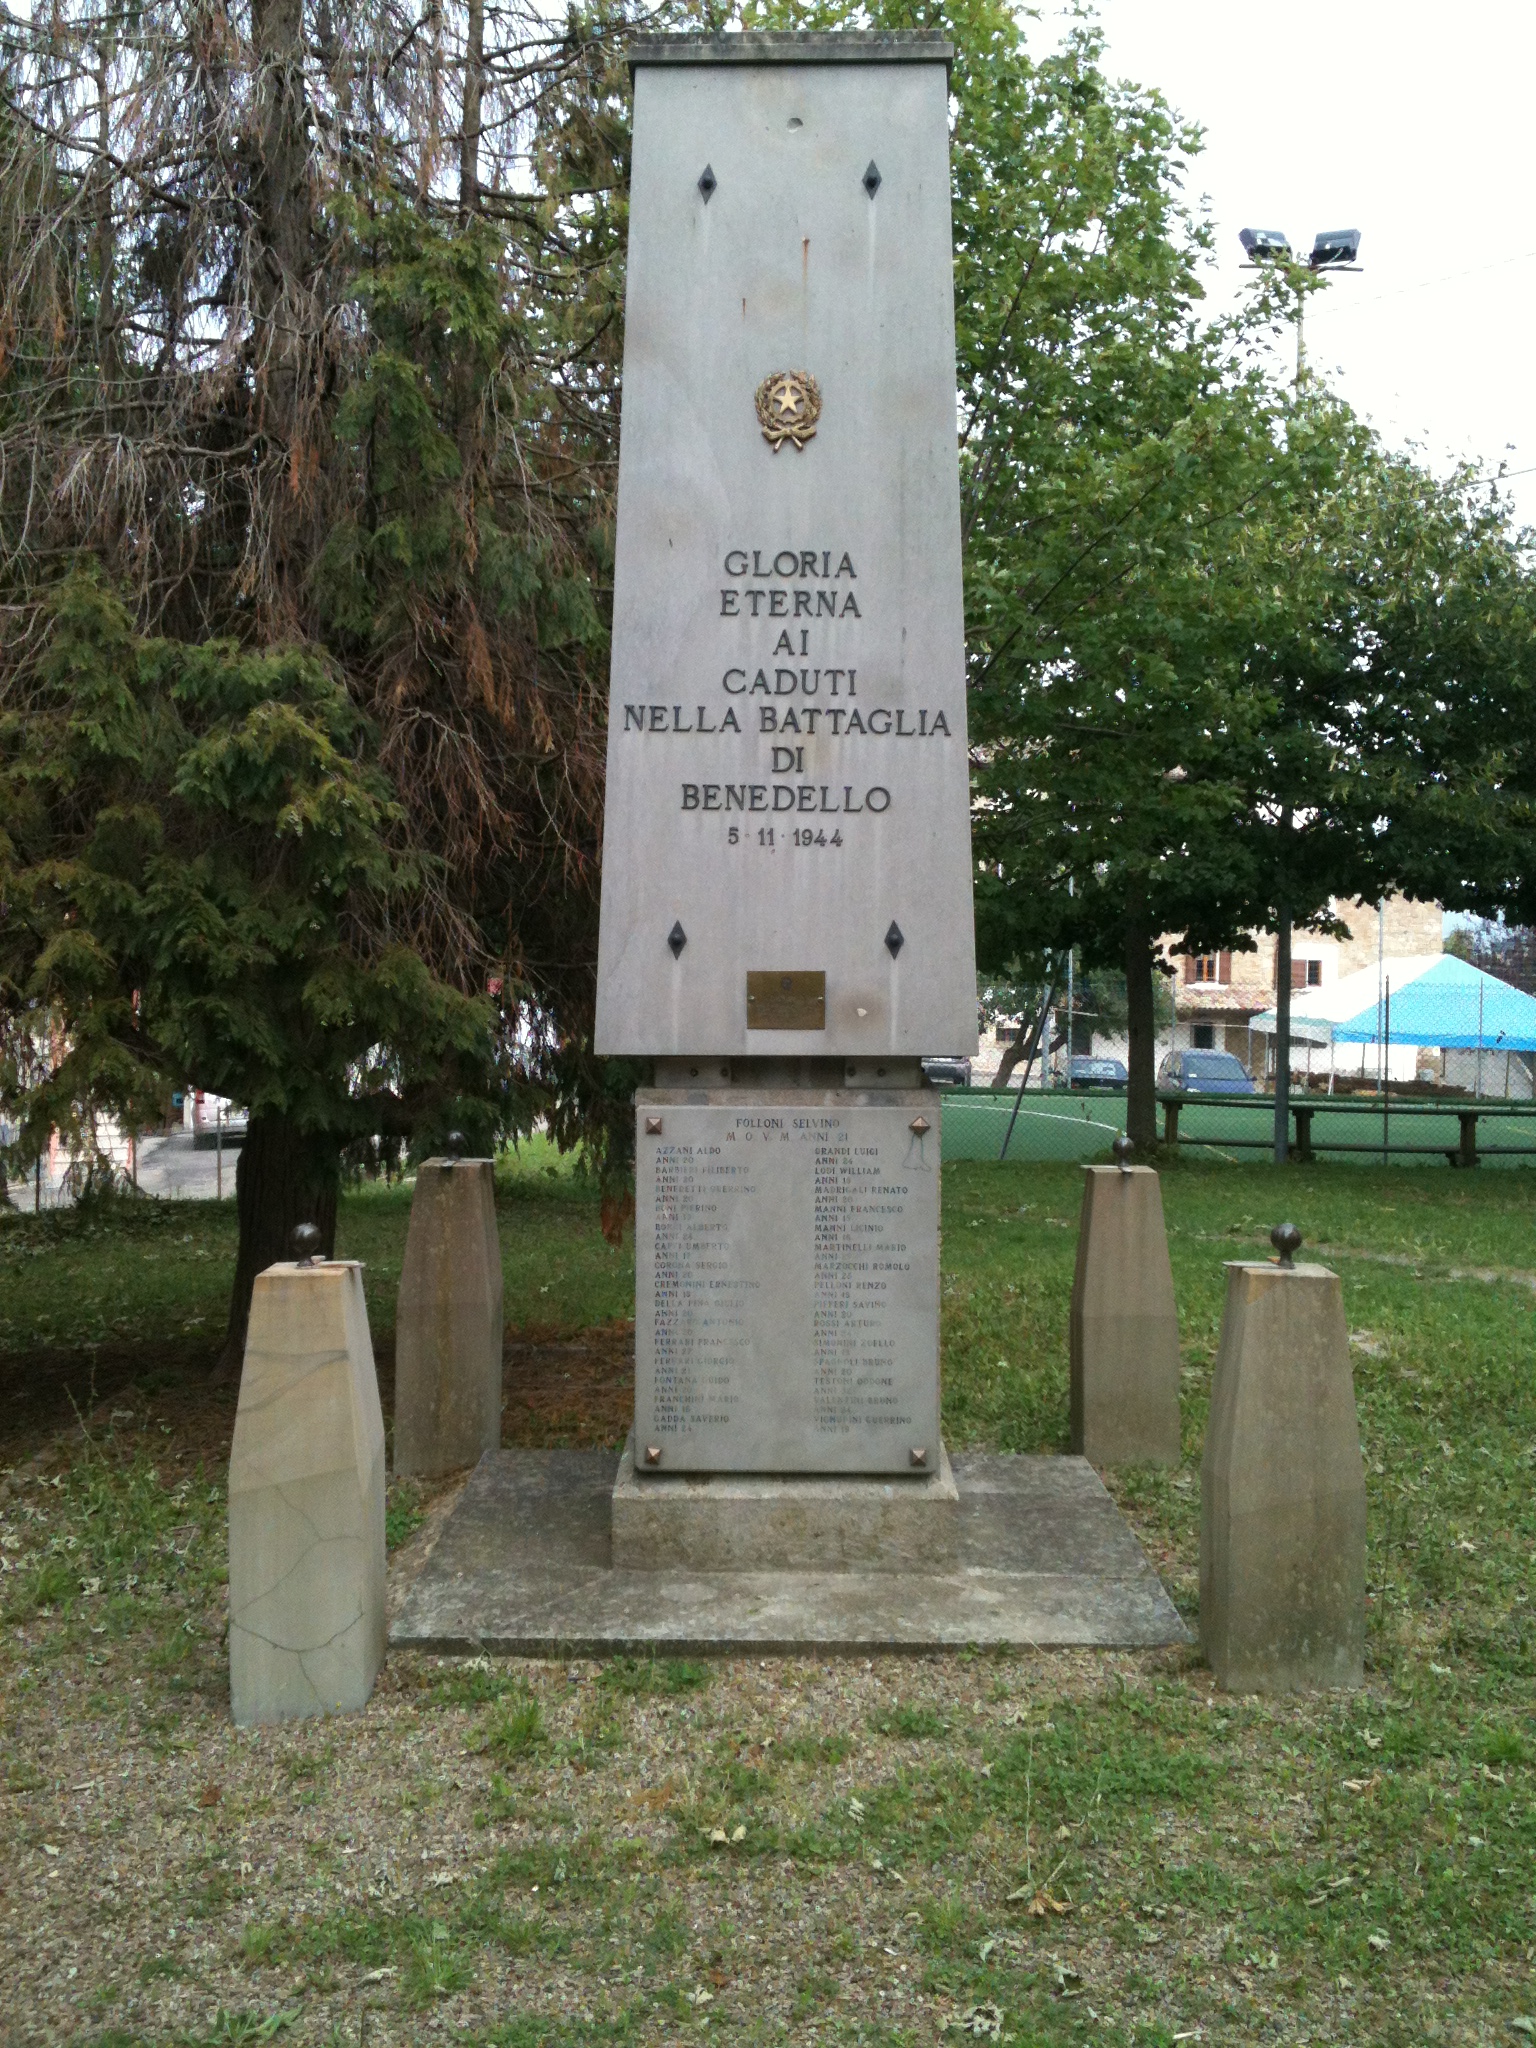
column 1424, row 284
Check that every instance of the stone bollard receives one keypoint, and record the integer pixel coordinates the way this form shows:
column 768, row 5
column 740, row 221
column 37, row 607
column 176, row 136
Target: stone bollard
column 1124, row 1325
column 1282, row 1487
column 448, row 1324
column 306, row 1499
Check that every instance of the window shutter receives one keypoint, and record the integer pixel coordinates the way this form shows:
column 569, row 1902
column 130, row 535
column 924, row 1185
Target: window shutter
column 1224, row 969
column 1298, row 974
column 1189, row 967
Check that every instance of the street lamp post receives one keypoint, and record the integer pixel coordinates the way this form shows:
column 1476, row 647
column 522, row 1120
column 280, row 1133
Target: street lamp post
column 1266, row 249
column 1283, row 1026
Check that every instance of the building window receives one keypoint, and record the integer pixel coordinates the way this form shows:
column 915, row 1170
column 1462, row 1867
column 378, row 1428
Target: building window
column 1213, row 969
column 1202, row 1037
column 1306, row 974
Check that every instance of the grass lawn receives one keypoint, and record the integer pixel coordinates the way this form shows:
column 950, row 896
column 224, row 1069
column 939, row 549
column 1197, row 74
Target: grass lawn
column 1052, row 1848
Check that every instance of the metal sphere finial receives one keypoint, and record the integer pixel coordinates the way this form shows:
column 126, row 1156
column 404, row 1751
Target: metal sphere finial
column 305, row 1240
column 1286, row 1239
column 455, row 1145
column 1122, row 1148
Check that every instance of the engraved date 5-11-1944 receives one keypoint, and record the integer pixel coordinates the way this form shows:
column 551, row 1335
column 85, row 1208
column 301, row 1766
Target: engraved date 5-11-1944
column 804, row 835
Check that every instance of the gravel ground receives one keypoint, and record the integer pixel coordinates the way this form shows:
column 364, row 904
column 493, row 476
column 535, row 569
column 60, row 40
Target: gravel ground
column 1042, row 1848
column 141, row 1891
column 1050, row 1849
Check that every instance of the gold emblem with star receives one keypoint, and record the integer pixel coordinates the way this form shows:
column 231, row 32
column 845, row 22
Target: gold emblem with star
column 788, row 407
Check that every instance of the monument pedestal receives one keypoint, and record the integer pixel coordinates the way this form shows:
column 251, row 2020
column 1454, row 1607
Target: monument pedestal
column 306, row 1500
column 748, row 1522
column 525, row 1566
column 1124, row 1324
column 448, row 1323
column 1282, row 1510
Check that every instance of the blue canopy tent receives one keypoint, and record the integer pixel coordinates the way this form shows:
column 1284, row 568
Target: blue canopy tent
column 1436, row 1000
column 1452, row 1005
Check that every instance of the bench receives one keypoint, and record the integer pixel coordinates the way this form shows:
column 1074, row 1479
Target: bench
column 1397, row 1136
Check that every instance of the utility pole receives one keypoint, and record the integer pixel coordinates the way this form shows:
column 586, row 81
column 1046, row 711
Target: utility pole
column 1268, row 248
column 1283, row 1033
column 1381, row 984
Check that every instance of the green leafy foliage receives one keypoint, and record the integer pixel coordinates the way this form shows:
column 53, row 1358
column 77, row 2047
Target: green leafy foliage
column 197, row 837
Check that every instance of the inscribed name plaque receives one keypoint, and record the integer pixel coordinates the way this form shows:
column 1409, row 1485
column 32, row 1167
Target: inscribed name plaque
column 787, row 783
column 786, row 1283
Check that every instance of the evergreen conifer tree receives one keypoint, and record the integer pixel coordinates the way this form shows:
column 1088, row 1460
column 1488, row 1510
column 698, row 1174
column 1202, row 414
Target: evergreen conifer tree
column 308, row 424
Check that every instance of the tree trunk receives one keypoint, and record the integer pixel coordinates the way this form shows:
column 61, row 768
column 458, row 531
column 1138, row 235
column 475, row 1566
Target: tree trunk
column 469, row 134
column 1141, row 1051
column 426, row 174
column 285, row 1176
column 106, row 273
column 1025, row 1046
column 282, row 171
column 1013, row 1052
column 284, row 316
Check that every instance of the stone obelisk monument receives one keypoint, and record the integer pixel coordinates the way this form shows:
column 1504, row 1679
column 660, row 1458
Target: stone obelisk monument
column 786, row 911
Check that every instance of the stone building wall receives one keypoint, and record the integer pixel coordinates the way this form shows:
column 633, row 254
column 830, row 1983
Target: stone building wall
column 1410, row 928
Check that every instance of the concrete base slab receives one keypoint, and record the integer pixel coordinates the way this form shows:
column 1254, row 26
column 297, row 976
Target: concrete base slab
column 524, row 1567
column 824, row 1522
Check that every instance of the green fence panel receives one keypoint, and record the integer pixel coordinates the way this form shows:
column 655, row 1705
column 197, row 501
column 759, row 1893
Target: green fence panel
column 1061, row 1125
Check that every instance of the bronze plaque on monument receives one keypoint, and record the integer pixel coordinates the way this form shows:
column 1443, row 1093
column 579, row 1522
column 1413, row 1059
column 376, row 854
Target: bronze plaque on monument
column 786, row 1002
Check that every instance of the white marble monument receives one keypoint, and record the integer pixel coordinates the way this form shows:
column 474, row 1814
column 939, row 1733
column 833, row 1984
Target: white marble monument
column 788, row 786
column 786, row 911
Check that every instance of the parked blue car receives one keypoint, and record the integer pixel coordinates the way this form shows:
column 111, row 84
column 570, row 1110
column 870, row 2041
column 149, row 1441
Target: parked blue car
column 1206, row 1073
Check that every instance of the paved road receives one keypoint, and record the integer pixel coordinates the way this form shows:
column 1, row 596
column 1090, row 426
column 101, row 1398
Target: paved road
column 169, row 1167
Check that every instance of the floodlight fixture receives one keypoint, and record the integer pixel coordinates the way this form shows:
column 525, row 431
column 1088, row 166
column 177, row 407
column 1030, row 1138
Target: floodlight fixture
column 1330, row 251
column 1265, row 245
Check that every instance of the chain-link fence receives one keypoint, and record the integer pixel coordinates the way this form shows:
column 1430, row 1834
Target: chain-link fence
column 1047, row 1124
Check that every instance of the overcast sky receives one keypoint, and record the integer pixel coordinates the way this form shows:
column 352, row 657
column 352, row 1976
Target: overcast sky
column 1411, row 122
